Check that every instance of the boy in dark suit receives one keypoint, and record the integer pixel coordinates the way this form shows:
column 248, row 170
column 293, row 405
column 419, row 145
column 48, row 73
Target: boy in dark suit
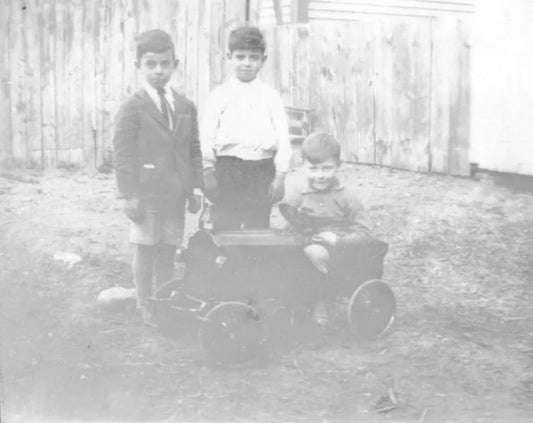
column 158, row 164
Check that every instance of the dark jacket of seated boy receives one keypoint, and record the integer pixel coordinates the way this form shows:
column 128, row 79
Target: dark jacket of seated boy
column 245, row 140
column 340, row 223
column 158, row 164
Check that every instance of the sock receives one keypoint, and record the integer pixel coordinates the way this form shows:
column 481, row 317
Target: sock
column 164, row 264
column 143, row 265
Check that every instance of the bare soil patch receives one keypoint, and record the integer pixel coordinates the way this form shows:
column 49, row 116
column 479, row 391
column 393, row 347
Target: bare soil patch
column 460, row 262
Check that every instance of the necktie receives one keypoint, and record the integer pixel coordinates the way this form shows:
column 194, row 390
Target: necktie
column 166, row 111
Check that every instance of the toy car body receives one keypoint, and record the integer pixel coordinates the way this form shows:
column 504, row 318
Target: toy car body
column 237, row 282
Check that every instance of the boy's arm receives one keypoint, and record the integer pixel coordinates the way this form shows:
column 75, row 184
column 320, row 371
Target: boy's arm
column 283, row 154
column 359, row 225
column 281, row 126
column 196, row 152
column 126, row 150
column 293, row 189
column 210, row 124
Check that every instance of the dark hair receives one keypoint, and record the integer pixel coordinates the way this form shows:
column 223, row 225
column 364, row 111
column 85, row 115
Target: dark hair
column 246, row 38
column 153, row 41
column 319, row 146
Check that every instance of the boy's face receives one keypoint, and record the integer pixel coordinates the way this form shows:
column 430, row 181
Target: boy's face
column 157, row 68
column 246, row 64
column 321, row 176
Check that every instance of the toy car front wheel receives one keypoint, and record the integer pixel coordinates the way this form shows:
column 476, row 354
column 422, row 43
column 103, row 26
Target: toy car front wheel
column 175, row 310
column 371, row 309
column 232, row 334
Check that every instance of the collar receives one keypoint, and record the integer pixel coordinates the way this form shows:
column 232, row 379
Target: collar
column 152, row 92
column 236, row 81
column 338, row 185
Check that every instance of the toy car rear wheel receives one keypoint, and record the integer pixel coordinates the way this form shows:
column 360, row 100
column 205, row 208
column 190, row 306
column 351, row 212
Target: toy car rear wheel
column 371, row 309
column 232, row 334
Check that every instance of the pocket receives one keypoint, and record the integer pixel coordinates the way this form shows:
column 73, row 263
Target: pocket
column 150, row 179
column 148, row 173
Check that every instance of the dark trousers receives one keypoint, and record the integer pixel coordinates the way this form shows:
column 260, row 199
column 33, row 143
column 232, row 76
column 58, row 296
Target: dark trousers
column 244, row 193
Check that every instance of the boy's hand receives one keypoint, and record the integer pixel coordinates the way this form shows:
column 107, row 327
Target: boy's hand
column 194, row 202
column 277, row 188
column 134, row 209
column 211, row 184
column 327, row 237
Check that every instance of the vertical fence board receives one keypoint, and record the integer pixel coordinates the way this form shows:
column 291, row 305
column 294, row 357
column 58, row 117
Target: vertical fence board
column 327, row 88
column 444, row 49
column 179, row 35
column 111, row 49
column 460, row 104
column 217, row 47
column 101, row 26
column 128, row 29
column 74, row 60
column 147, row 15
column 191, row 51
column 32, row 61
column 5, row 83
column 114, row 75
column 62, row 102
column 300, row 66
column 421, row 105
column 285, row 65
column 17, row 84
column 359, row 94
column 48, row 82
column 269, row 72
column 89, row 86
column 204, row 54
column 164, row 18
column 233, row 16
column 412, row 61
column 382, row 94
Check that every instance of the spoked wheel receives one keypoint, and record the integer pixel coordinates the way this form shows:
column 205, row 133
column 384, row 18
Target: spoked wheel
column 232, row 335
column 175, row 310
column 371, row 309
column 169, row 289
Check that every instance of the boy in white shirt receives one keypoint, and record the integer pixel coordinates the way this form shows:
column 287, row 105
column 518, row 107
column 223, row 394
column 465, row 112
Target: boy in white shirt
column 245, row 142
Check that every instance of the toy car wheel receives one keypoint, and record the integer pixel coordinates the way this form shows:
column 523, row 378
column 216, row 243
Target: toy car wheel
column 232, row 335
column 371, row 309
column 173, row 310
column 169, row 289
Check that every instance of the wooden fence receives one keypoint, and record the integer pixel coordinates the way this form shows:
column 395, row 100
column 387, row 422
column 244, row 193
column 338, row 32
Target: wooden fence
column 66, row 65
column 395, row 91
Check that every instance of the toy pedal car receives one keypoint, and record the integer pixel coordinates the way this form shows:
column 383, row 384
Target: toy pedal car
column 246, row 287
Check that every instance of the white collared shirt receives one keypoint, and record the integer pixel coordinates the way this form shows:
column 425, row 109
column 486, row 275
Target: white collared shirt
column 154, row 95
column 246, row 120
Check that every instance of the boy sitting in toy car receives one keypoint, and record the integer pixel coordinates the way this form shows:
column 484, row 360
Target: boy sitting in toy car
column 319, row 201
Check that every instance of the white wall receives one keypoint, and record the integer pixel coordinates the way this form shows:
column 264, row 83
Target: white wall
column 502, row 86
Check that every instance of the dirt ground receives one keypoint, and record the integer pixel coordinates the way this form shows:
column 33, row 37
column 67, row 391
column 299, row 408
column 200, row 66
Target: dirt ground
column 460, row 263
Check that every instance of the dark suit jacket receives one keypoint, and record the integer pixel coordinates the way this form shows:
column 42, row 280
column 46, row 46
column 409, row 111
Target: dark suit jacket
column 151, row 161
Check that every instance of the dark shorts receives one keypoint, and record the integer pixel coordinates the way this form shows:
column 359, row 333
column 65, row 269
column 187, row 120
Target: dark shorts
column 244, row 193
